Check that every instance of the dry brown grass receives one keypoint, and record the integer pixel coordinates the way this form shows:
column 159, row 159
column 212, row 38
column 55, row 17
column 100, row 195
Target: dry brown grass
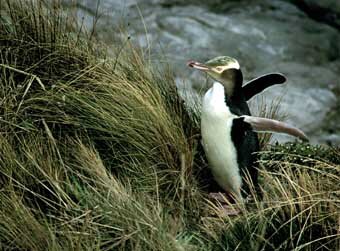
column 100, row 153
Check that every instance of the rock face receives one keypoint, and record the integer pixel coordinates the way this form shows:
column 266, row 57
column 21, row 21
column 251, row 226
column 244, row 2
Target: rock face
column 265, row 36
column 327, row 11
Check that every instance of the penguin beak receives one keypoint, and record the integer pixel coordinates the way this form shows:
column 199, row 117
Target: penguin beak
column 198, row 66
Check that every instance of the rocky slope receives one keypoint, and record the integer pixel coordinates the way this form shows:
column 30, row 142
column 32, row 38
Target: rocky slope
column 265, row 36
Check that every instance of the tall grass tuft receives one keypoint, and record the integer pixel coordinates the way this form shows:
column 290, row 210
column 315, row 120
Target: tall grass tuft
column 100, row 153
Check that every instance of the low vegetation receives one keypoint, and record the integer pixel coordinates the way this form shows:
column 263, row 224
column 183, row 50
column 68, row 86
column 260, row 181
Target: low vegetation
column 100, row 153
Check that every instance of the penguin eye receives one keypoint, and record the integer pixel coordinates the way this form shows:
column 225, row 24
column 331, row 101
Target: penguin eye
column 219, row 68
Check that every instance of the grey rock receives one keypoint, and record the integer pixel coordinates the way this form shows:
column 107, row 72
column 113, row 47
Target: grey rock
column 327, row 11
column 265, row 36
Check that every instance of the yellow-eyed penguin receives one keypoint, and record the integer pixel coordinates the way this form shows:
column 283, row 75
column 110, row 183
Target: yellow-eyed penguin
column 227, row 71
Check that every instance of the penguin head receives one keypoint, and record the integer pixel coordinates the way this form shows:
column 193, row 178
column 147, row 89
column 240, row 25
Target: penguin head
column 223, row 69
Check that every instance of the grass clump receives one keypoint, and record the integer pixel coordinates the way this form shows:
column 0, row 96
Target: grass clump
column 75, row 128
column 100, row 153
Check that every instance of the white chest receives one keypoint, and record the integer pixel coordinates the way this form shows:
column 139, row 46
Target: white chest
column 216, row 124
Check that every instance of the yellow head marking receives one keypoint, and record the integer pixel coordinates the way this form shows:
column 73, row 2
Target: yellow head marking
column 222, row 63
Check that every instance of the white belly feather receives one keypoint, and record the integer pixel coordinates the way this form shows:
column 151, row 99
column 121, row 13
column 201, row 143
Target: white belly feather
column 216, row 124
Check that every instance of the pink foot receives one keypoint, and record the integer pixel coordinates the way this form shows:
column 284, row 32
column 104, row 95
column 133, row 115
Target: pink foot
column 222, row 197
column 223, row 207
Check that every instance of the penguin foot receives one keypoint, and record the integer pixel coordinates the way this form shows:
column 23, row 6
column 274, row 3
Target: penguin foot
column 222, row 197
column 223, row 204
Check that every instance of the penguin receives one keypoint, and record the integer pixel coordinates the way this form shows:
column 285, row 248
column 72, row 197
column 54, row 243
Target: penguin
column 226, row 70
column 226, row 141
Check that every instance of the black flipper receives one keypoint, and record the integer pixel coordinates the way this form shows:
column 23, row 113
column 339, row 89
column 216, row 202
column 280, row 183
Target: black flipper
column 257, row 85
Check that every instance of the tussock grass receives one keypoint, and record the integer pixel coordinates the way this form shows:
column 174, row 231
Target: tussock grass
column 100, row 153
column 262, row 108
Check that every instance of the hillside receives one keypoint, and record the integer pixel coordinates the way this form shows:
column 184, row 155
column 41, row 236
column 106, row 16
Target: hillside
column 100, row 153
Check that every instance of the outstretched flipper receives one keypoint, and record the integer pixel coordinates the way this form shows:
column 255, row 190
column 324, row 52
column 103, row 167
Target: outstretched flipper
column 257, row 85
column 271, row 125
